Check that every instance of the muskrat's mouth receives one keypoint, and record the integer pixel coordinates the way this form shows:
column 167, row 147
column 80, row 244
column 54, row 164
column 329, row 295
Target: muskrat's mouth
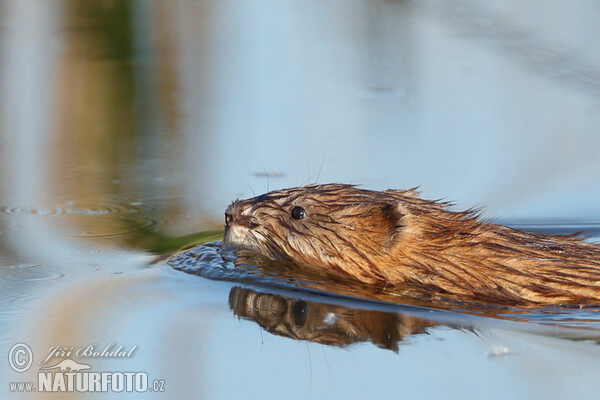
column 239, row 237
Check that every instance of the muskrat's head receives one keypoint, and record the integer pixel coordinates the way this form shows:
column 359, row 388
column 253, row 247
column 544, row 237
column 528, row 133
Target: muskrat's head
column 331, row 226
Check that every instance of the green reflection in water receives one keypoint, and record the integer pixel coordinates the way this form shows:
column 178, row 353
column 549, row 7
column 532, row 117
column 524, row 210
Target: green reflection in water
column 159, row 243
column 109, row 21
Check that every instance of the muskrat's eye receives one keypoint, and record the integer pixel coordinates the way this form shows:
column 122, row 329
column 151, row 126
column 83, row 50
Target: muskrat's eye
column 298, row 213
column 299, row 313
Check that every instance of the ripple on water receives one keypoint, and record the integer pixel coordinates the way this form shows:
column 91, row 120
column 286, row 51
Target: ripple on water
column 117, row 227
column 92, row 266
column 574, row 316
column 12, row 306
column 18, row 300
column 105, row 220
column 29, row 273
column 53, row 211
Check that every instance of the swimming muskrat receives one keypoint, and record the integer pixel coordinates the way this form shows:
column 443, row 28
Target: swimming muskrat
column 394, row 237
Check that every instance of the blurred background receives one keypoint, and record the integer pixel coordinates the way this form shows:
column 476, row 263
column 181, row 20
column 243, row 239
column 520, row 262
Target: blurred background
column 128, row 126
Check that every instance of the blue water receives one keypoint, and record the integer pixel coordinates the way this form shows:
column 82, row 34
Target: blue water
column 127, row 127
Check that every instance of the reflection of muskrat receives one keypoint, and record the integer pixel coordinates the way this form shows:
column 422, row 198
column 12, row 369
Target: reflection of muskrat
column 324, row 323
column 394, row 237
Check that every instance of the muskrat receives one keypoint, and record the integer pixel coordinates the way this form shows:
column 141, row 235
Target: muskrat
column 396, row 238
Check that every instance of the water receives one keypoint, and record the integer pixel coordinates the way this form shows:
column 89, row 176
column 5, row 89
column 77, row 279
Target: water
column 212, row 261
column 127, row 127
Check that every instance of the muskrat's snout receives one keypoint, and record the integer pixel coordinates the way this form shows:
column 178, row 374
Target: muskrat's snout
column 238, row 214
column 240, row 227
column 228, row 217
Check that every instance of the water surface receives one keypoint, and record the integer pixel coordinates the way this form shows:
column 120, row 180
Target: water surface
column 127, row 127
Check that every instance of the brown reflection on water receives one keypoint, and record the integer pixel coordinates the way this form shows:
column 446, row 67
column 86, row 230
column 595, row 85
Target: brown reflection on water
column 94, row 127
column 124, row 309
column 323, row 323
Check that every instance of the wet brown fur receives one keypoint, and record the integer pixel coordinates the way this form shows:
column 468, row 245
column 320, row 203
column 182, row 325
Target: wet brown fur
column 394, row 237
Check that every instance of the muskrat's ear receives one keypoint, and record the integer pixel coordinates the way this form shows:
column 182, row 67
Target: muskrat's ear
column 383, row 218
column 398, row 216
column 412, row 192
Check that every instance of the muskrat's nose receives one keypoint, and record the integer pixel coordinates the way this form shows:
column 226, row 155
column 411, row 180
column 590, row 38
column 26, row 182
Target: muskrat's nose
column 230, row 214
column 235, row 214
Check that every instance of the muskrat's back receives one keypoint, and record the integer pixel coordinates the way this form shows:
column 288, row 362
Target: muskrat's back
column 394, row 237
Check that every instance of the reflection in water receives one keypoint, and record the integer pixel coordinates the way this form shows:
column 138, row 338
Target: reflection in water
column 213, row 262
column 326, row 320
column 126, row 127
column 324, row 323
